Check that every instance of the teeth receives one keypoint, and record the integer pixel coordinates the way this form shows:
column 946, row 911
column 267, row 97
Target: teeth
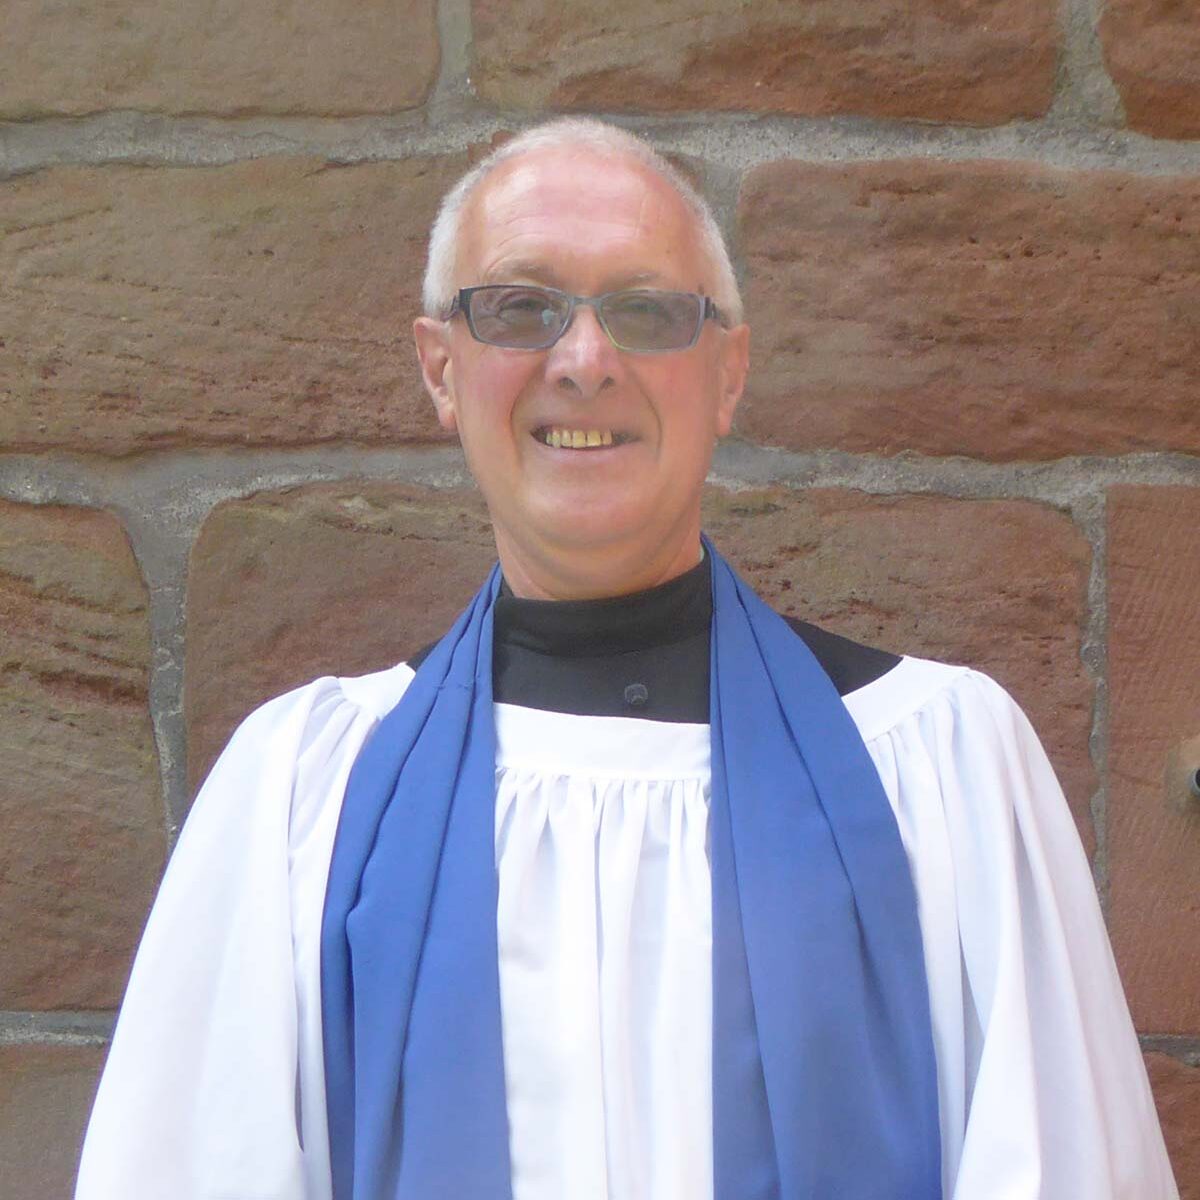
column 578, row 439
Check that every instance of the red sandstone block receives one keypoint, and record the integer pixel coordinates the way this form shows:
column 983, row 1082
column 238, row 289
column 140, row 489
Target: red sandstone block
column 977, row 62
column 294, row 56
column 1177, row 1098
column 80, row 796
column 264, row 303
column 45, row 1097
column 1152, row 48
column 994, row 309
column 1154, row 712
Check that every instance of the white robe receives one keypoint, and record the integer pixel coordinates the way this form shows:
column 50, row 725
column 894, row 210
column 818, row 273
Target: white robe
column 214, row 1086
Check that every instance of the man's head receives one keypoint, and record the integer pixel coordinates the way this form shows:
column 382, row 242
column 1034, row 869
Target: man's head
column 587, row 210
column 570, row 133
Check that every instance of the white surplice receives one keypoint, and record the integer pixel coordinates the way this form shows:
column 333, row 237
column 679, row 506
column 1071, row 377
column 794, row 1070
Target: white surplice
column 214, row 1087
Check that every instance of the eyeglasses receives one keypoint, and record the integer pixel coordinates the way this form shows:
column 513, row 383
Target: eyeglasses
column 642, row 321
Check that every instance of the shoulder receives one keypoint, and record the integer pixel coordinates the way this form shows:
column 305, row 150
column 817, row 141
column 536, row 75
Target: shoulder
column 953, row 747
column 945, row 699
column 295, row 747
column 920, row 705
column 380, row 691
column 316, row 702
column 882, row 688
column 849, row 664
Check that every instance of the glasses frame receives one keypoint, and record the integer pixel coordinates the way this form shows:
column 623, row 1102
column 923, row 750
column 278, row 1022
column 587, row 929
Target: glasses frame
column 462, row 304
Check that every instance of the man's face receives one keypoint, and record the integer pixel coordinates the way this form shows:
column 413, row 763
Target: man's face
column 572, row 219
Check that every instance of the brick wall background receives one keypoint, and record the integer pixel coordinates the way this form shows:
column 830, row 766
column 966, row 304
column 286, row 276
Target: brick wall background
column 968, row 236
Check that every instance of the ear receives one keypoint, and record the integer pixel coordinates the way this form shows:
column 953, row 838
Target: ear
column 735, row 362
column 437, row 369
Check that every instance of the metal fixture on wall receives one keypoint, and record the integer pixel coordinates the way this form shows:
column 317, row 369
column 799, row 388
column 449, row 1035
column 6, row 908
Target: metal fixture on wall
column 1183, row 775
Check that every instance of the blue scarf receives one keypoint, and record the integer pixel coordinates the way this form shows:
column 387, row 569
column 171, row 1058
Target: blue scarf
column 824, row 1083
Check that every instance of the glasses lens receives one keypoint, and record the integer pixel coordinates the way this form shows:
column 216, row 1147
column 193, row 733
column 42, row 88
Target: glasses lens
column 653, row 320
column 524, row 318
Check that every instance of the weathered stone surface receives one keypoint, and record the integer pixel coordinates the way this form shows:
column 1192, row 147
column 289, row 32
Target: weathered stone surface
column 995, row 309
column 266, row 302
column 298, row 56
column 80, row 796
column 1152, row 49
column 322, row 580
column 1154, row 706
column 45, row 1096
column 998, row 585
column 973, row 62
column 1177, row 1098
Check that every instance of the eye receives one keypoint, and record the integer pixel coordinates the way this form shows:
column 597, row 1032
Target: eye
column 647, row 306
column 638, row 315
column 523, row 306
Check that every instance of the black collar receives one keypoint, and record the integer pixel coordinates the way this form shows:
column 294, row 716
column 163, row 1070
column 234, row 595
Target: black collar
column 672, row 612
column 645, row 654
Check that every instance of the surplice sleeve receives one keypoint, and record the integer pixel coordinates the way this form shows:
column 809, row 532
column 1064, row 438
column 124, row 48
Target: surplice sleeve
column 1042, row 1086
column 199, row 1098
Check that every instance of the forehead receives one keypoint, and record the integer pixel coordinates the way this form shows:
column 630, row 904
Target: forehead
column 581, row 219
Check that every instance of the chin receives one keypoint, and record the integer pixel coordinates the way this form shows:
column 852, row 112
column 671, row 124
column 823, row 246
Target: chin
column 593, row 533
column 626, row 547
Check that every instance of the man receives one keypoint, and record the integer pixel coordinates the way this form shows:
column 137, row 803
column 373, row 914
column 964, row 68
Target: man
column 633, row 889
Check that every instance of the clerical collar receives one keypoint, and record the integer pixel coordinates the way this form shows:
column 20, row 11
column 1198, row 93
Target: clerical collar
column 672, row 612
column 643, row 655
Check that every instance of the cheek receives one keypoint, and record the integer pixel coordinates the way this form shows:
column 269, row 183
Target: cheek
column 490, row 395
column 689, row 412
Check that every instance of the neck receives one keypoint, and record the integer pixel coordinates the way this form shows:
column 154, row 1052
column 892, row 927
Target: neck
column 596, row 574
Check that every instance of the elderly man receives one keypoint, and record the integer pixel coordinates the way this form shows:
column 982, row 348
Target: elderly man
column 627, row 888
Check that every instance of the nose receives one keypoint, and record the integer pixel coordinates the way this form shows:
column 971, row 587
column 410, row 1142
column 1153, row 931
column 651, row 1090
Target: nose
column 584, row 361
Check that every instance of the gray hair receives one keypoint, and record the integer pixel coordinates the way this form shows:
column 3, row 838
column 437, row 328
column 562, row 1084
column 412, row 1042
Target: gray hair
column 439, row 290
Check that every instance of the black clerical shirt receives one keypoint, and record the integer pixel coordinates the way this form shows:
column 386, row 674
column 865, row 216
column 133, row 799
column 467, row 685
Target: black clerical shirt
column 641, row 655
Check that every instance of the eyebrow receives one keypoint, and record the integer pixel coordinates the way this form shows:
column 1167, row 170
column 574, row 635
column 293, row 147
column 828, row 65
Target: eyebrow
column 534, row 272
column 504, row 272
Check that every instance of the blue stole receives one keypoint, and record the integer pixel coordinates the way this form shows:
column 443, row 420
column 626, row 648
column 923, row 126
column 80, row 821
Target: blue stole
column 824, row 1084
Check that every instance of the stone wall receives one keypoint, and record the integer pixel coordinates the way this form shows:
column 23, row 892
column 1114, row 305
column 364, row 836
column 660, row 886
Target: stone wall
column 968, row 237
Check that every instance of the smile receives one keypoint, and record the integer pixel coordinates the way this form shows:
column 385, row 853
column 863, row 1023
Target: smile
column 578, row 439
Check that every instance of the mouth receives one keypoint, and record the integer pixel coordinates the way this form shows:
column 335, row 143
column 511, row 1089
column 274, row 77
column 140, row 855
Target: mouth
column 562, row 438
